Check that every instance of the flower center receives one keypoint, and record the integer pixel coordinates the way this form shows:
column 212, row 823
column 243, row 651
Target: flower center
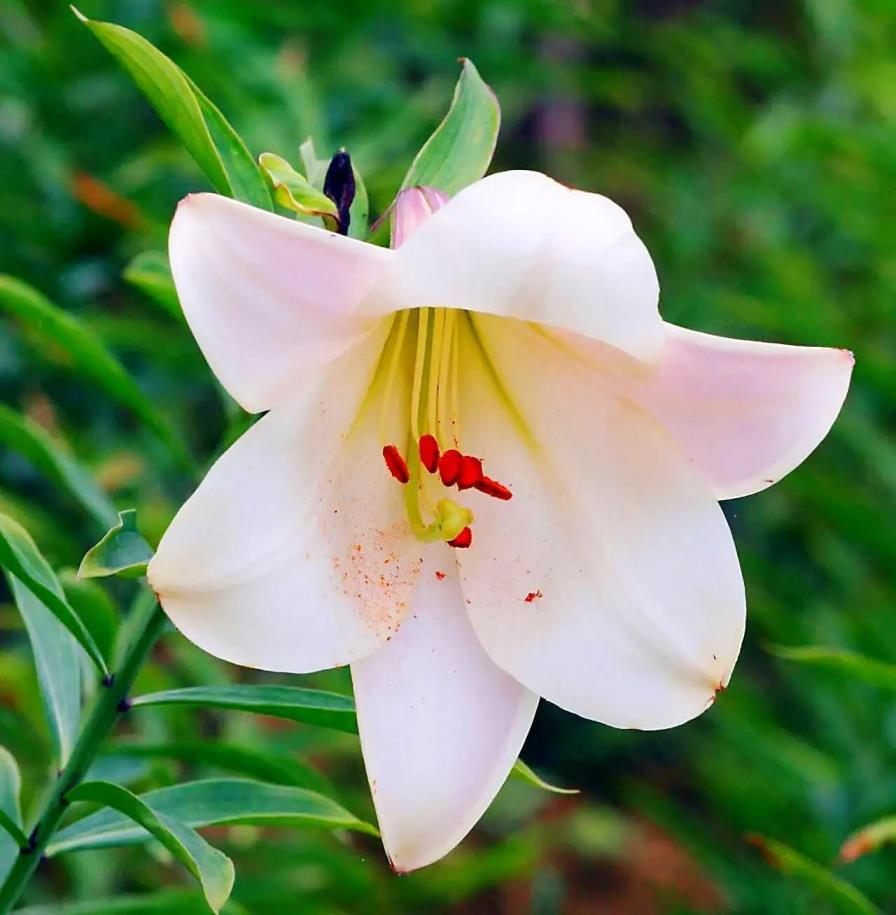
column 434, row 459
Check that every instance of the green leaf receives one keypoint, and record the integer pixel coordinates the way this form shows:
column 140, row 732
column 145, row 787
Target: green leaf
column 20, row 556
column 292, row 190
column 205, row 133
column 86, row 354
column 13, row 838
column 461, row 148
column 311, row 706
column 96, row 609
column 57, row 659
column 877, row 673
column 122, row 551
column 212, row 868
column 842, row 895
column 212, row 802
column 869, row 838
column 359, row 211
column 164, row 902
column 258, row 764
column 25, row 436
column 524, row 772
column 150, row 272
column 315, row 167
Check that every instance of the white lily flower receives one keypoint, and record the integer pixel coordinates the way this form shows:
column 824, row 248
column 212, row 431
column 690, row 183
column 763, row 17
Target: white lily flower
column 517, row 324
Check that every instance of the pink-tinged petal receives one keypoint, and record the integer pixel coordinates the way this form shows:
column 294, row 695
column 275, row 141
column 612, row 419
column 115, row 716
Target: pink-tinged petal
column 748, row 413
column 440, row 724
column 268, row 299
column 609, row 583
column 523, row 246
column 294, row 554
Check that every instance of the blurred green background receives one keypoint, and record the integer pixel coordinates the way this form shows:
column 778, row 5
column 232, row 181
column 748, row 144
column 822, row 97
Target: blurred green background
column 754, row 146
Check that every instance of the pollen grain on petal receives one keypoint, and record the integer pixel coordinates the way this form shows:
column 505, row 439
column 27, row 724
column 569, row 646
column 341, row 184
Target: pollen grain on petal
column 533, row 596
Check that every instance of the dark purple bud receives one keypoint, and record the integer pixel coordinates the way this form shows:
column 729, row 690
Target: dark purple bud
column 339, row 186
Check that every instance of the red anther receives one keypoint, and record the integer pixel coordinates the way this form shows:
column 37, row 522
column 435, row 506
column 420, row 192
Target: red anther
column 493, row 488
column 429, row 453
column 470, row 472
column 463, row 539
column 450, row 466
column 396, row 464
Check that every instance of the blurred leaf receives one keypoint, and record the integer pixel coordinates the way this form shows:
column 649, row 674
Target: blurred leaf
column 20, row 556
column 460, row 150
column 292, row 190
column 869, row 838
column 315, row 167
column 10, row 840
column 122, row 551
column 877, row 673
column 524, row 772
column 206, row 135
column 25, row 436
column 266, row 766
column 211, row 802
column 150, row 272
column 88, row 356
column 165, row 902
column 212, row 868
column 96, row 609
column 360, row 209
column 842, row 895
column 311, row 706
column 57, row 659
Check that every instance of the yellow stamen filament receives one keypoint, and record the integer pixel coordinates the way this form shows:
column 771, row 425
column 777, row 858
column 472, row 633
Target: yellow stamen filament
column 402, row 325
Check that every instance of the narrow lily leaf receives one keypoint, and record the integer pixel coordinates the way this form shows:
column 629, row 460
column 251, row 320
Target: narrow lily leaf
column 460, row 150
column 20, row 556
column 122, row 551
column 315, row 167
column 292, row 190
column 57, row 659
column 877, row 673
column 206, row 135
column 96, row 609
column 25, row 436
column 843, row 896
column 12, row 838
column 150, row 272
column 311, row 706
column 87, row 355
column 212, row 868
column 524, row 772
column 212, row 802
column 360, row 209
column 869, row 838
column 269, row 767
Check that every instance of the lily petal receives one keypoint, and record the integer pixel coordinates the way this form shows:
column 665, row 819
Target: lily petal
column 267, row 298
column 440, row 724
column 609, row 584
column 748, row 413
column 519, row 244
column 293, row 554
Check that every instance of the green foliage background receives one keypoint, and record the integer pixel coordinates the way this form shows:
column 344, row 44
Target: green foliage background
column 753, row 145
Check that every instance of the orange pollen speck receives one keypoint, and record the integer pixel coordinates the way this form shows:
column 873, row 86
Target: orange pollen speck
column 440, row 575
column 463, row 539
column 429, row 453
column 396, row 464
column 493, row 488
column 533, row 595
column 450, row 466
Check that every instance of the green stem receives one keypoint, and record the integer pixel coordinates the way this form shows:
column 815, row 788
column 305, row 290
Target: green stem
column 109, row 704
